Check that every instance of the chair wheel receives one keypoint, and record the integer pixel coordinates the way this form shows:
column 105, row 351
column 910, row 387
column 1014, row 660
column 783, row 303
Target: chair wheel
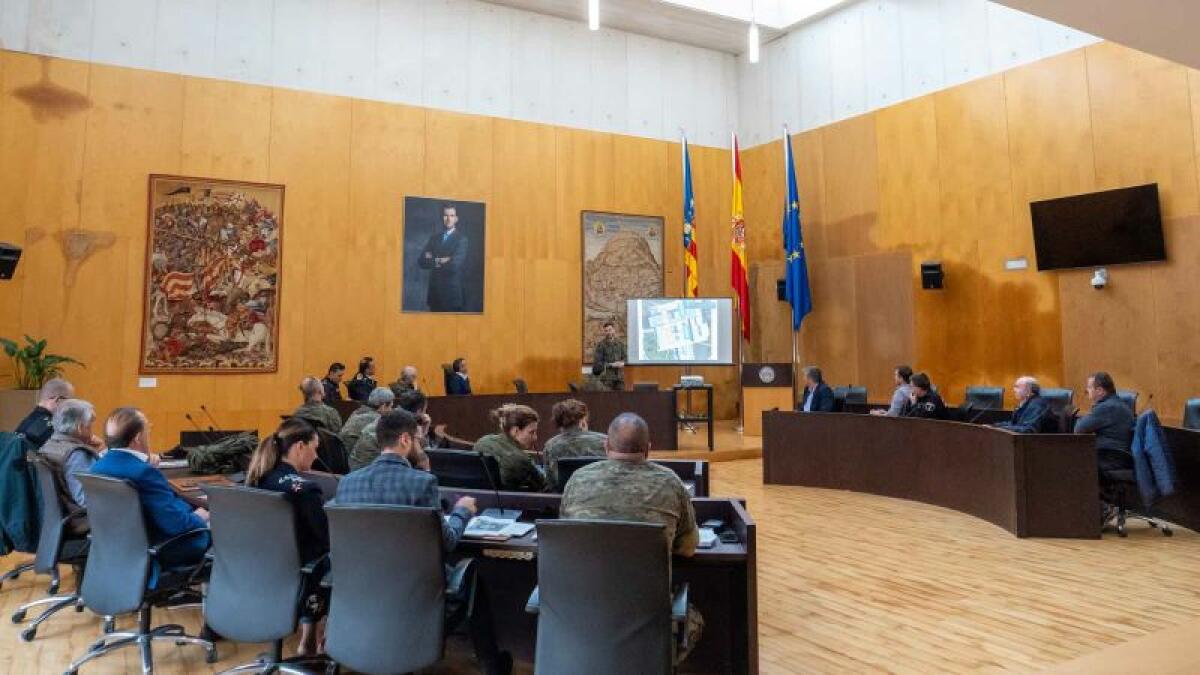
column 71, row 672
column 211, row 657
column 110, row 625
column 1168, row 532
column 1152, row 523
column 28, row 634
column 18, row 616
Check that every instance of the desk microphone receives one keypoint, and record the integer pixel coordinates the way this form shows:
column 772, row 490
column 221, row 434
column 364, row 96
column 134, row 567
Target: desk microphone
column 207, row 439
column 977, row 416
column 210, row 419
column 499, row 511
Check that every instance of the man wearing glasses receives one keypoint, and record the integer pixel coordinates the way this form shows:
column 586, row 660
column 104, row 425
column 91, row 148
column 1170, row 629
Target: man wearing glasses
column 36, row 426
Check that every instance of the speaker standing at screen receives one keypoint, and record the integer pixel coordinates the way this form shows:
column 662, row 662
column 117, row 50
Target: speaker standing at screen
column 608, row 363
column 443, row 257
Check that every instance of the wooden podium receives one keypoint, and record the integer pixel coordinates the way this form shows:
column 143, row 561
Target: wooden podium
column 764, row 386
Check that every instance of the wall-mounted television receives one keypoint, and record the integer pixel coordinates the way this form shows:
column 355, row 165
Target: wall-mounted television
column 1101, row 228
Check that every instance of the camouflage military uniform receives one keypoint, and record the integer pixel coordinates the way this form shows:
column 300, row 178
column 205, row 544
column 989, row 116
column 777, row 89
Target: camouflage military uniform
column 609, row 351
column 320, row 414
column 570, row 443
column 358, row 420
column 366, row 449
column 400, row 386
column 639, row 492
column 517, row 471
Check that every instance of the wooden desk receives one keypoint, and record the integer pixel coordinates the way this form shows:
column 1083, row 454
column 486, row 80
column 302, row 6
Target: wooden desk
column 1033, row 485
column 723, row 581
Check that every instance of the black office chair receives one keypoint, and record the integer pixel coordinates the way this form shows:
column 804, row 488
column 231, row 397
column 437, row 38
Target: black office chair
column 332, row 456
column 254, row 591
column 645, row 386
column 388, row 607
column 328, row 482
column 522, row 387
column 1059, row 399
column 447, row 375
column 595, row 617
column 855, row 395
column 1129, row 398
column 567, row 466
column 57, row 545
column 986, row 398
column 464, row 469
column 119, row 571
column 1191, row 414
column 1123, row 485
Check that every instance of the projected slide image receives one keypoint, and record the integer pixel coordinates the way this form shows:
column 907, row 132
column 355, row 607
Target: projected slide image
column 674, row 331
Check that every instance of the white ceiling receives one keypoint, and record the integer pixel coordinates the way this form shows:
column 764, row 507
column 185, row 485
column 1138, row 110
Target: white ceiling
column 655, row 19
column 1166, row 28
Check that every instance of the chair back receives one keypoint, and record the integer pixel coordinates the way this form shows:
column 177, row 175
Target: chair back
column 447, row 375
column 464, row 469
column 328, row 483
column 986, row 398
column 854, row 395
column 1129, row 398
column 119, row 555
column 597, row 614
column 50, row 536
column 522, row 387
column 567, row 466
column 254, row 591
column 1059, row 399
column 331, row 453
column 387, row 611
column 645, row 386
column 1191, row 414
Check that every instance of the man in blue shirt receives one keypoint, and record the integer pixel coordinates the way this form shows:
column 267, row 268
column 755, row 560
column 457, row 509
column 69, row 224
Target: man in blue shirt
column 167, row 515
column 818, row 397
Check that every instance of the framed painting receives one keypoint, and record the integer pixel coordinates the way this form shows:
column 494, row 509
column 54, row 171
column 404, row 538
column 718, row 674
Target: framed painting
column 622, row 259
column 213, row 255
column 443, row 256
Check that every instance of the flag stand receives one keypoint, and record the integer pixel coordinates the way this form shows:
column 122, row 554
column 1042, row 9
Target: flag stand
column 741, row 425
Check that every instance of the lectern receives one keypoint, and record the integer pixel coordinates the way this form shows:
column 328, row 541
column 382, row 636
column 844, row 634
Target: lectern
column 764, row 386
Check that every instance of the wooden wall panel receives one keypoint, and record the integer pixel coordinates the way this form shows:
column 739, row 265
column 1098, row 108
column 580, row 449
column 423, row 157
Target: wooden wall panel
column 851, row 205
column 884, row 315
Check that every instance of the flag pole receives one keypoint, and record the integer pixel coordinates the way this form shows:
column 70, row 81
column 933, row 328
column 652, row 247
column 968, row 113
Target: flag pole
column 687, row 370
column 741, row 426
column 787, row 152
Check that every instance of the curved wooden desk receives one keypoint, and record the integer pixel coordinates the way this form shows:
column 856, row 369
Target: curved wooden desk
column 1033, row 485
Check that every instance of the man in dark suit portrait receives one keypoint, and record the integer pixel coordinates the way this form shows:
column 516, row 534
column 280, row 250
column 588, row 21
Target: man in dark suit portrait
column 818, row 397
column 443, row 256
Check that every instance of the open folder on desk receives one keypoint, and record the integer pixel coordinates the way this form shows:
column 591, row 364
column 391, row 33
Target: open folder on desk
column 496, row 529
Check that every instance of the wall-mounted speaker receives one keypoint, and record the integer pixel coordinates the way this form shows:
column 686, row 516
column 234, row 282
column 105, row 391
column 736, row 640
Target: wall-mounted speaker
column 9, row 255
column 931, row 275
column 781, row 290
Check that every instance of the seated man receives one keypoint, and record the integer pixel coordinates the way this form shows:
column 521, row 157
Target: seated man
column 573, row 439
column 36, row 427
column 167, row 515
column 818, row 397
column 314, row 409
column 1033, row 414
column 379, row 402
column 1111, row 421
column 628, row 487
column 72, row 449
column 391, row 479
column 923, row 401
column 332, row 382
column 901, row 375
column 406, row 382
column 458, row 383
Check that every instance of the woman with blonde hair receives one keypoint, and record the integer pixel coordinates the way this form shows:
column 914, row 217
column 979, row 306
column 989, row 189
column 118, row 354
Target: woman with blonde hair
column 518, row 428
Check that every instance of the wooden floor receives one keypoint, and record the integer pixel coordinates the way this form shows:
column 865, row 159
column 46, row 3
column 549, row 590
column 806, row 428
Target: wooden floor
column 852, row 583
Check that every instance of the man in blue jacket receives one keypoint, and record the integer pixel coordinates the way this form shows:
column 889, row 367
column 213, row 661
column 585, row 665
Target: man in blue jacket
column 167, row 515
column 818, row 397
column 1111, row 420
column 1032, row 414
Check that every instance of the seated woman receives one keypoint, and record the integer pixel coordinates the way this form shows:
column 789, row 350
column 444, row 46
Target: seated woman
column 277, row 465
column 573, row 439
column 518, row 432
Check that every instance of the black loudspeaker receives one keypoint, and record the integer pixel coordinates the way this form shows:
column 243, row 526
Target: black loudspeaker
column 781, row 289
column 931, row 275
column 9, row 255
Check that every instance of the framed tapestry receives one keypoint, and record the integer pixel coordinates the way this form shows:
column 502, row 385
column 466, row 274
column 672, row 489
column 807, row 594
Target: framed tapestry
column 213, row 254
column 443, row 256
column 622, row 259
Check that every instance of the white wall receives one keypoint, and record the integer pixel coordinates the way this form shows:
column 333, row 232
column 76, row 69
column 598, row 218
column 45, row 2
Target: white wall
column 460, row 55
column 876, row 53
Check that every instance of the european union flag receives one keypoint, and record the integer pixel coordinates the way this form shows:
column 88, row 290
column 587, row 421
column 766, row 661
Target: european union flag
column 799, row 295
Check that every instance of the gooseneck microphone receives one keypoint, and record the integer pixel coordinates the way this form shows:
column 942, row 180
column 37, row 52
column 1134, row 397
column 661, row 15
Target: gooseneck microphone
column 210, row 419
column 207, row 439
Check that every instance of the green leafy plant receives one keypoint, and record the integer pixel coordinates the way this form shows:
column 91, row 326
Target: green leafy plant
column 32, row 366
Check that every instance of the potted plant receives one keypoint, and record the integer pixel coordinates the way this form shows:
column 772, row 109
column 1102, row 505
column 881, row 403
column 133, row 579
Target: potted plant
column 32, row 366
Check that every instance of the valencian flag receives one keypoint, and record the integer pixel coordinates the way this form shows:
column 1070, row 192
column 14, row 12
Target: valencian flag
column 739, row 271
column 691, row 281
column 799, row 295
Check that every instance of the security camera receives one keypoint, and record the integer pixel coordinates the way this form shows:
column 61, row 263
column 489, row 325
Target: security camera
column 1100, row 278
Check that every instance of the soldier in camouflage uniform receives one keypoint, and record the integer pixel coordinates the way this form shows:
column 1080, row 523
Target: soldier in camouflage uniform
column 573, row 439
column 314, row 409
column 379, row 402
column 518, row 432
column 406, row 382
column 628, row 487
column 608, row 362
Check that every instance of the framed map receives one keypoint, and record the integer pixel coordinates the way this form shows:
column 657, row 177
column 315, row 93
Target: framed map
column 622, row 259
column 213, row 252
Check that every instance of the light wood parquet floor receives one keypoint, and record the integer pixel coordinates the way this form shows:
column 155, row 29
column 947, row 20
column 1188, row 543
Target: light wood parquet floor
column 848, row 583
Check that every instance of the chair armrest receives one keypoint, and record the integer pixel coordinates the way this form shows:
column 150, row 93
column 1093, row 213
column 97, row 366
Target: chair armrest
column 533, row 604
column 459, row 576
column 679, row 604
column 158, row 548
column 73, row 515
column 312, row 566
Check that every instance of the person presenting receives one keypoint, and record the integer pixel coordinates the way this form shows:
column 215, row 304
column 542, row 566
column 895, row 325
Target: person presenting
column 923, row 401
column 818, row 397
column 1033, row 413
column 608, row 361
column 443, row 256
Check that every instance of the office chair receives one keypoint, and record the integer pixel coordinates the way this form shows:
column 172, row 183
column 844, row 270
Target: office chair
column 331, row 453
column 57, row 545
column 388, row 608
column 1058, row 398
column 1191, row 414
column 986, row 398
column 447, row 373
column 464, row 469
column 254, row 592
column 594, row 617
column 522, row 387
column 855, row 395
column 693, row 473
column 121, row 567
column 328, row 482
column 1123, row 483
column 1129, row 398
column 645, row 386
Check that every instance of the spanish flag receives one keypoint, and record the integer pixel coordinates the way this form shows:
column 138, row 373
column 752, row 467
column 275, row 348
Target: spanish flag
column 691, row 280
column 739, row 270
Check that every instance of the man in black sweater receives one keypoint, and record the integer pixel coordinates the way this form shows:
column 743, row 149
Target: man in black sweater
column 1111, row 420
column 923, row 401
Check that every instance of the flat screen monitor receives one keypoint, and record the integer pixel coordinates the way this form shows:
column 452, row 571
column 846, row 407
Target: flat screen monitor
column 1101, row 228
column 680, row 331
